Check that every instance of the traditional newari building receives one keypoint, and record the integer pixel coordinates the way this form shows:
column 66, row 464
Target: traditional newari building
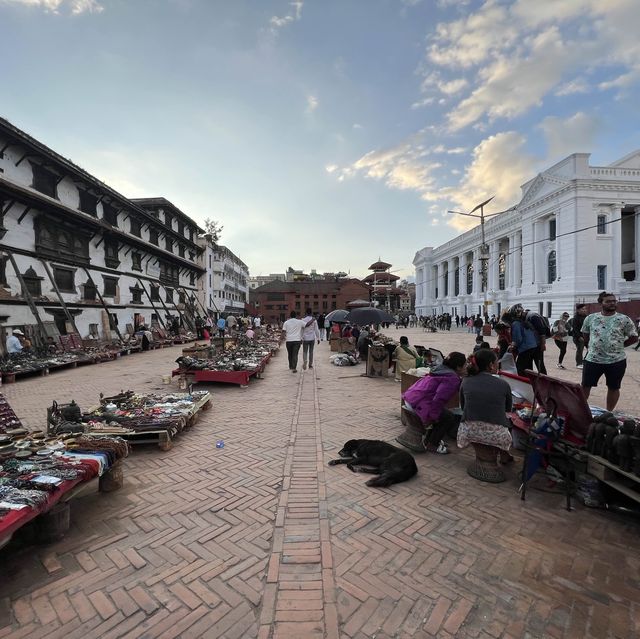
column 574, row 232
column 383, row 293
column 275, row 300
column 76, row 255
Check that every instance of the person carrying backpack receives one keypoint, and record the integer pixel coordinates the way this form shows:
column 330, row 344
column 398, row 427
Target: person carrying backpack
column 543, row 332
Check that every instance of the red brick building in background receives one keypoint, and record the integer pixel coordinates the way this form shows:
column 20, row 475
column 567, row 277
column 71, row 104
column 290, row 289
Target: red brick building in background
column 275, row 300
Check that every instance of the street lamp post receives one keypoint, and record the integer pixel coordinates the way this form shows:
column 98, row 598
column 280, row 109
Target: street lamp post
column 484, row 249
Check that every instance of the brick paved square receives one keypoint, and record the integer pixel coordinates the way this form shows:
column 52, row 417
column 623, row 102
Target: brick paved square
column 207, row 542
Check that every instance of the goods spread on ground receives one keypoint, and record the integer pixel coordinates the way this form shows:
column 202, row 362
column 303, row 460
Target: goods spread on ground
column 40, row 471
column 240, row 359
column 146, row 418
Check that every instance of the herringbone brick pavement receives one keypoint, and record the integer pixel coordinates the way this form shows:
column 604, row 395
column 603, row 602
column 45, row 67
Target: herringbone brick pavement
column 262, row 539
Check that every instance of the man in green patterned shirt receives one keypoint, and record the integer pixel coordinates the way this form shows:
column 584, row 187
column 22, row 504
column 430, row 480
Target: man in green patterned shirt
column 605, row 335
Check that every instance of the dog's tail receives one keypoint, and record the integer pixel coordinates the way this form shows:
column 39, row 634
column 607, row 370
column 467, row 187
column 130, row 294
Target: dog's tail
column 382, row 481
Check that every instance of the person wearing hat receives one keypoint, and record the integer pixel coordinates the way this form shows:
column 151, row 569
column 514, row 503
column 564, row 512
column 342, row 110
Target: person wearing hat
column 14, row 345
column 560, row 334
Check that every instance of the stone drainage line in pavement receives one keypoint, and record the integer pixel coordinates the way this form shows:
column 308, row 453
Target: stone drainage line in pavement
column 299, row 597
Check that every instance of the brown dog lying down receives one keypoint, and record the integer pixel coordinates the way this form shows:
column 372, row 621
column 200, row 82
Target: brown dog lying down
column 373, row 456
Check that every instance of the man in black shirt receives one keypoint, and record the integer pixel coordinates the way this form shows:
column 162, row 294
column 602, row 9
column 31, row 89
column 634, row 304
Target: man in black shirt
column 575, row 330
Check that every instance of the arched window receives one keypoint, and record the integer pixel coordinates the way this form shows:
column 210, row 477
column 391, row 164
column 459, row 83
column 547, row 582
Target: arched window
column 456, row 282
column 469, row 278
column 551, row 267
column 502, row 271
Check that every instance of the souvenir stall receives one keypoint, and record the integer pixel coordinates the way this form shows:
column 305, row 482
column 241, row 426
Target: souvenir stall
column 558, row 427
column 240, row 360
column 41, row 472
column 151, row 418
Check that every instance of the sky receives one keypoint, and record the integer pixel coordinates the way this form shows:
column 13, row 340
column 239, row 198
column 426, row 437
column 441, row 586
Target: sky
column 324, row 134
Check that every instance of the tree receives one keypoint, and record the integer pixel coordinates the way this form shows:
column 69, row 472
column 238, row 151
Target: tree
column 213, row 228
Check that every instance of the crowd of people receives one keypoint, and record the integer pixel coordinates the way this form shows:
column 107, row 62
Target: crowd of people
column 485, row 399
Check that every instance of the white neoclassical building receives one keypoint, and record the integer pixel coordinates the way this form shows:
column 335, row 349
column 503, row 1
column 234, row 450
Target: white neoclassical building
column 574, row 233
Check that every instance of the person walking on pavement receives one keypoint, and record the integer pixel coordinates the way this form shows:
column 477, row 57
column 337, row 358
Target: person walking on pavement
column 606, row 334
column 320, row 321
column 327, row 328
column 222, row 325
column 310, row 335
column 560, row 336
column 292, row 331
column 575, row 330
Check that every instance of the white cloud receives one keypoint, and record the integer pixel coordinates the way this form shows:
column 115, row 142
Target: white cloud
column 312, row 103
column 498, row 168
column 569, row 135
column 294, row 15
column 331, row 168
column 577, row 85
column 75, row 7
column 507, row 57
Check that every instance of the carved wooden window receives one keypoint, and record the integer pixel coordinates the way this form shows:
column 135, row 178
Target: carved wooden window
column 136, row 295
column 110, row 286
column 153, row 236
column 32, row 282
column 154, row 293
column 89, row 291
column 136, row 261
column 88, row 203
column 44, row 180
column 109, row 214
column 111, row 256
column 169, row 297
column 57, row 241
column 181, row 250
column 192, row 279
column 168, row 244
column 64, row 279
column 135, row 227
column 181, row 227
column 168, row 219
column 169, row 274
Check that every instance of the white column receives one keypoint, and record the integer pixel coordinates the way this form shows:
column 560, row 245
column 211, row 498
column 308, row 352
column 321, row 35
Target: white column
column 517, row 262
column 538, row 267
column 493, row 266
column 637, row 242
column 616, row 247
column 452, row 283
column 511, row 262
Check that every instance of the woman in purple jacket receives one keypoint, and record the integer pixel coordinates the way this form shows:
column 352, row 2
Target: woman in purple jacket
column 424, row 405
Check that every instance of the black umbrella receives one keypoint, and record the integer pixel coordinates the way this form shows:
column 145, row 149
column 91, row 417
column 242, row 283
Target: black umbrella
column 339, row 316
column 370, row 315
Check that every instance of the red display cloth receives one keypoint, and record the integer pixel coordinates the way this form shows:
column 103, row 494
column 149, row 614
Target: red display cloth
column 18, row 518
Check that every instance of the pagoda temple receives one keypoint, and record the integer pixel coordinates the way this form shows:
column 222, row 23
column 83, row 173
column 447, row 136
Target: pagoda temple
column 383, row 290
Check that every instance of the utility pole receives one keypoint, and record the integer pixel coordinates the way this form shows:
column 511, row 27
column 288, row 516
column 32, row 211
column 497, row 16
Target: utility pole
column 484, row 249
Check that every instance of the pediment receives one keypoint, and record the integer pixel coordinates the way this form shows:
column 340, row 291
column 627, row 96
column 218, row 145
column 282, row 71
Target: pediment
column 539, row 187
column 629, row 161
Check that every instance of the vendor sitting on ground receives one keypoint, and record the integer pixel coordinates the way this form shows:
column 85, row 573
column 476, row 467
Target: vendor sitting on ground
column 364, row 341
column 485, row 401
column 425, row 406
column 13, row 344
column 405, row 357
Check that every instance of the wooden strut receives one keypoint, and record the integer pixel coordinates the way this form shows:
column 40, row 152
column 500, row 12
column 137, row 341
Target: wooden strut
column 30, row 302
column 183, row 316
column 195, row 296
column 104, row 305
column 57, row 290
column 144, row 288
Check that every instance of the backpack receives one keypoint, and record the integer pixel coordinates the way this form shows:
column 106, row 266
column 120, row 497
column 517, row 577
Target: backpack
column 569, row 326
column 540, row 324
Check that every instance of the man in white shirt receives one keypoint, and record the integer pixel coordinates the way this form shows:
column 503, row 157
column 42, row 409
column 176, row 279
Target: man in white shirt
column 292, row 331
column 13, row 344
column 310, row 335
